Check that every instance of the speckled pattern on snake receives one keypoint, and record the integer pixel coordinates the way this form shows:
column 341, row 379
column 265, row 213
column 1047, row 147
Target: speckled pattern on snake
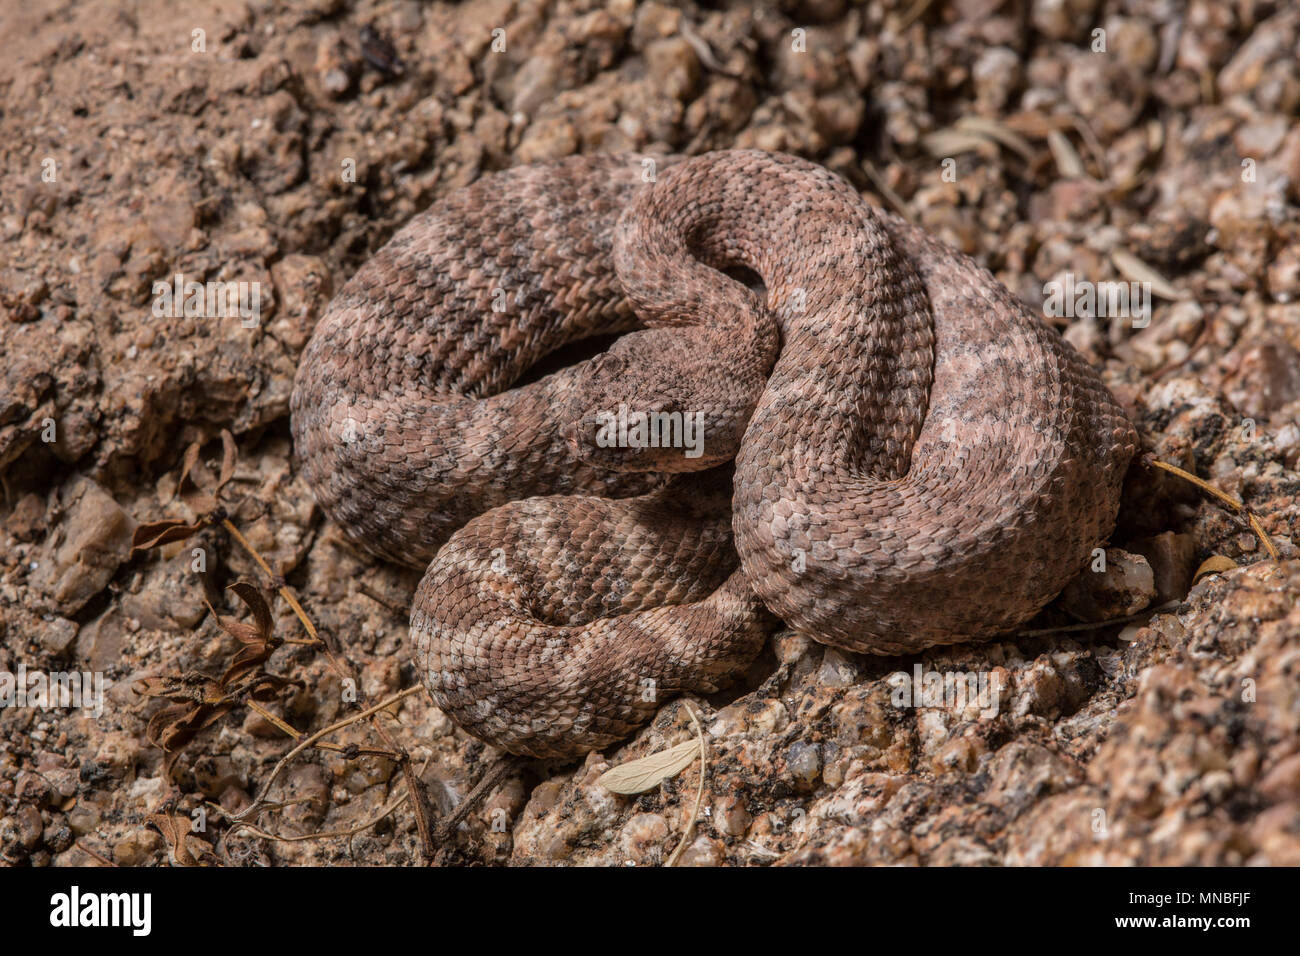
column 896, row 453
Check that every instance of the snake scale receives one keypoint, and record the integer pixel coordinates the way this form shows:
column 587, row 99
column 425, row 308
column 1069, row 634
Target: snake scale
column 895, row 452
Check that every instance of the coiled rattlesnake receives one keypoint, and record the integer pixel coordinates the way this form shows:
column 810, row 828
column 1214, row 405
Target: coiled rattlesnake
column 917, row 458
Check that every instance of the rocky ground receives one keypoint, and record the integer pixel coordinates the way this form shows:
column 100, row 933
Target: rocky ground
column 282, row 143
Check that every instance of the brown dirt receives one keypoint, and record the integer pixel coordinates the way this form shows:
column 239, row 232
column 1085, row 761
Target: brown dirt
column 1171, row 739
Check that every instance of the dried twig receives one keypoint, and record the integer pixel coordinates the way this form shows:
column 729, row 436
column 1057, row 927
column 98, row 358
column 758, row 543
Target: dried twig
column 487, row 783
column 887, row 191
column 1223, row 496
column 401, row 756
column 699, row 793
column 1094, row 625
column 703, row 51
column 914, row 14
column 369, row 591
column 276, row 580
column 98, row 856
column 351, row 832
column 260, row 804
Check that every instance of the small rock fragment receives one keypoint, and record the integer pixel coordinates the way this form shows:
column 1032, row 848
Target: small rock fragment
column 1126, row 586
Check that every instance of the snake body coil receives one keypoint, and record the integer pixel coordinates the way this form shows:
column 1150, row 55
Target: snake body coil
column 891, row 451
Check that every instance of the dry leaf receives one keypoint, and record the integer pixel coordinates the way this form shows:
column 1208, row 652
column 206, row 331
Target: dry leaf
column 176, row 830
column 1155, row 136
column 1068, row 161
column 1035, row 124
column 197, row 702
column 996, row 131
column 258, row 638
column 1215, row 564
column 1135, row 270
column 952, row 142
column 197, row 487
column 638, row 776
column 157, row 533
column 197, row 490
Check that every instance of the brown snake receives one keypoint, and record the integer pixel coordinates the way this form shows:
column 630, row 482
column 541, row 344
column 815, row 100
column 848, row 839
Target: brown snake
column 918, row 459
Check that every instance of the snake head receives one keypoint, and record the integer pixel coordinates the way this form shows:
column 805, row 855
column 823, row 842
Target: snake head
column 627, row 415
